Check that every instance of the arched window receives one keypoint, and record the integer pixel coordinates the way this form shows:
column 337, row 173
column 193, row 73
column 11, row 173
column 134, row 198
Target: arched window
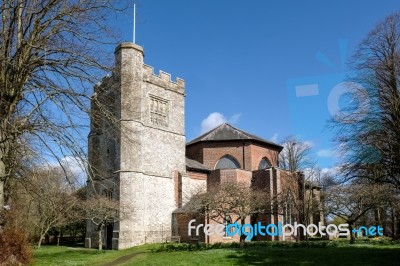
column 264, row 164
column 227, row 162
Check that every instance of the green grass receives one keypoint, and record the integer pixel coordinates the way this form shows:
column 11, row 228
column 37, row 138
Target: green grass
column 360, row 254
column 53, row 255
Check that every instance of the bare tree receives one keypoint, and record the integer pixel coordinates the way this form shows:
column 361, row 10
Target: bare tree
column 101, row 211
column 51, row 55
column 236, row 199
column 350, row 202
column 296, row 155
column 301, row 185
column 368, row 129
column 300, row 199
column 44, row 201
column 51, row 202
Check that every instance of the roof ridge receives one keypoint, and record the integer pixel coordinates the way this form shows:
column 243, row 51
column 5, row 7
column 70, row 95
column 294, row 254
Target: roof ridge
column 240, row 134
column 206, row 133
column 241, row 131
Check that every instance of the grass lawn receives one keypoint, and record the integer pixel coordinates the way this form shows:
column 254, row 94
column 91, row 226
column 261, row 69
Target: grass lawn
column 360, row 254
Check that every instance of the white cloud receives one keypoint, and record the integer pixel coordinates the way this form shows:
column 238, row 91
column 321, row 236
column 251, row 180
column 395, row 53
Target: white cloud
column 75, row 168
column 334, row 153
column 234, row 119
column 333, row 171
column 309, row 143
column 325, row 153
column 274, row 138
column 215, row 119
column 315, row 174
column 310, row 174
column 73, row 164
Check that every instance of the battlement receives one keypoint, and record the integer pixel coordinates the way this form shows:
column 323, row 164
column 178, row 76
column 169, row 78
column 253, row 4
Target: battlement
column 105, row 83
column 163, row 79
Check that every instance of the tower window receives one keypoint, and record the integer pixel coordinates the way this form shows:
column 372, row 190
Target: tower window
column 227, row 162
column 158, row 111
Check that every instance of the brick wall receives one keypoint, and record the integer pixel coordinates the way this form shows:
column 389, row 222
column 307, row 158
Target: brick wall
column 182, row 220
column 213, row 151
column 197, row 175
column 261, row 179
column 258, row 152
column 195, row 152
column 228, row 175
column 247, row 153
column 265, row 219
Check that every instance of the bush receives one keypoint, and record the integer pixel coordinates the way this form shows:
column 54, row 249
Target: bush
column 171, row 247
column 315, row 243
column 14, row 246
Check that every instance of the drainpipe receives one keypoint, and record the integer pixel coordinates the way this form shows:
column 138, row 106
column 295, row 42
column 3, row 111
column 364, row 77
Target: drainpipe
column 244, row 157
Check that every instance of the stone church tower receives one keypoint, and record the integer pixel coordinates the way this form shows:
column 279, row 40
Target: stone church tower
column 137, row 148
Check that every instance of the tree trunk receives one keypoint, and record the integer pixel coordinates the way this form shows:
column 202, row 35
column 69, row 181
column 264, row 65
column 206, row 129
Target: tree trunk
column 397, row 235
column 2, row 182
column 42, row 235
column 2, row 178
column 242, row 236
column 40, row 240
column 19, row 24
column 352, row 237
column 393, row 223
column 378, row 220
column 303, row 236
column 100, row 239
column 75, row 232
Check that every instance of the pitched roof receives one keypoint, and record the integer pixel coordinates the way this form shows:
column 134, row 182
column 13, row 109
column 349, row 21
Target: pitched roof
column 228, row 132
column 195, row 165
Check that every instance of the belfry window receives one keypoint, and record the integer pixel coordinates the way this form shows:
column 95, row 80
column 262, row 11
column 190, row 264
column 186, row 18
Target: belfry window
column 227, row 162
column 158, row 111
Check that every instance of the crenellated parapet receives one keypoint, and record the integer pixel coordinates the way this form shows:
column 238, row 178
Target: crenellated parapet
column 104, row 83
column 163, row 79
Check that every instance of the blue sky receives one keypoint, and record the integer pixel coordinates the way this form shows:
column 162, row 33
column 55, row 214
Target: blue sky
column 244, row 61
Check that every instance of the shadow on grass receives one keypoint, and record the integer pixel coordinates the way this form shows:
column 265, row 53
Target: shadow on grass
column 359, row 255
column 253, row 254
column 48, row 253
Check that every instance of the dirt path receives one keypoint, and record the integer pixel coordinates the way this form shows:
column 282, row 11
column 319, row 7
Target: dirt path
column 123, row 259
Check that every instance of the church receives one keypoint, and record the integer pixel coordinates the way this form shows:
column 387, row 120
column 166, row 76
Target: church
column 138, row 155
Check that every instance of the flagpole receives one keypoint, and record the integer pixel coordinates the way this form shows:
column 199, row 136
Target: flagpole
column 134, row 21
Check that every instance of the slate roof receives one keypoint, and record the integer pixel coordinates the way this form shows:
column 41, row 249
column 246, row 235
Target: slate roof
column 195, row 165
column 228, row 132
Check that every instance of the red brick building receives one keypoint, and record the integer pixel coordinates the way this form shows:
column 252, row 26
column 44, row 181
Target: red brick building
column 228, row 154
